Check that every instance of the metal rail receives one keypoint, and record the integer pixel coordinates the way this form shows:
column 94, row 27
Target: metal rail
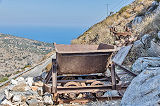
column 86, row 100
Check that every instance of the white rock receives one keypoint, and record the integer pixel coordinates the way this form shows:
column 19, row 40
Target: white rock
column 16, row 98
column 48, row 99
column 158, row 9
column 111, row 93
column 6, row 102
column 14, row 82
column 32, row 102
column 137, row 20
column 143, row 62
column 10, row 87
column 154, row 3
column 145, row 38
column 144, row 89
column 137, row 44
column 8, row 94
column 154, row 50
column 29, row 81
column 159, row 34
column 20, row 79
column 27, row 88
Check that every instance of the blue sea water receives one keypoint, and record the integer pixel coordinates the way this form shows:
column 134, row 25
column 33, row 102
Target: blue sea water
column 60, row 35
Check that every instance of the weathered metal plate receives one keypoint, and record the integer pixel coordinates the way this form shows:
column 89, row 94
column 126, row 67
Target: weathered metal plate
column 121, row 55
column 82, row 64
column 82, row 59
column 60, row 48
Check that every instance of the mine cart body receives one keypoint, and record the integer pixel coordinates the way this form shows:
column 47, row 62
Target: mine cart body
column 76, row 71
column 82, row 59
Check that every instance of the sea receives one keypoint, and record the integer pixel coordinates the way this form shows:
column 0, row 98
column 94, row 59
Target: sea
column 60, row 35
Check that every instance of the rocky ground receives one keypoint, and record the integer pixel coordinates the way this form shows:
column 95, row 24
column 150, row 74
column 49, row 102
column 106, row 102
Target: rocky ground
column 129, row 16
column 144, row 89
column 146, row 85
column 28, row 92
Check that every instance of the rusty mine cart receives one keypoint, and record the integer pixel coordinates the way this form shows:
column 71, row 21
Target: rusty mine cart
column 81, row 69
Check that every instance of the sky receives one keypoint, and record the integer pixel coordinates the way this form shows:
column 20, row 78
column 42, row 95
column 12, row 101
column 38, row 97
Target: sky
column 56, row 13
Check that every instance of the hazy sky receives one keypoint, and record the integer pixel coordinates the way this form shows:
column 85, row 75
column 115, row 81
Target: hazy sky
column 57, row 13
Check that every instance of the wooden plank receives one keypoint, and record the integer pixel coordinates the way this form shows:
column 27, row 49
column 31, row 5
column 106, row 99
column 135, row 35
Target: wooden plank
column 121, row 55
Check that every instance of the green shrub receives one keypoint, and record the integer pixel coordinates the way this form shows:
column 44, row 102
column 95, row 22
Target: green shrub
column 3, row 79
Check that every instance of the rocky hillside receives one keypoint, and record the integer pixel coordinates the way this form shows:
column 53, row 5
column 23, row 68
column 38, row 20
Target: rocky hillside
column 142, row 17
column 17, row 53
column 124, row 22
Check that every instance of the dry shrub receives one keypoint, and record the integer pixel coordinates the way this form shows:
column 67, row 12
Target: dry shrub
column 48, row 67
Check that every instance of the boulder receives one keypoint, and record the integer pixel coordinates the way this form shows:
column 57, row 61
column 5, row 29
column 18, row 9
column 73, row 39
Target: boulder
column 8, row 94
column 146, row 39
column 14, row 82
column 144, row 89
column 29, row 81
column 30, row 92
column 20, row 79
column 7, row 103
column 32, row 102
column 16, row 98
column 154, row 3
column 143, row 62
column 27, row 88
column 20, row 87
column 137, row 44
column 48, row 99
column 154, row 49
column 158, row 34
column 111, row 93
column 10, row 87
column 137, row 20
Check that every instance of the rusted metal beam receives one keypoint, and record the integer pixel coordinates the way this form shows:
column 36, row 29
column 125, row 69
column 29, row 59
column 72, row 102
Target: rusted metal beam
column 54, row 77
column 49, row 75
column 113, row 76
column 86, row 100
column 83, row 80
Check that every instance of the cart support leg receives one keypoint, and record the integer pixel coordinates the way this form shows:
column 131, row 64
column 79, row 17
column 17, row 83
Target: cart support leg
column 54, row 78
column 113, row 76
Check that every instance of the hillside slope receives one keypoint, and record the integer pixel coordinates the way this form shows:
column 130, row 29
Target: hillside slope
column 125, row 18
column 17, row 53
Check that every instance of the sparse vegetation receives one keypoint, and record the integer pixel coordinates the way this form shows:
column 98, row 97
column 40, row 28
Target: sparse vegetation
column 123, row 9
column 120, row 19
column 16, row 52
column 3, row 79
